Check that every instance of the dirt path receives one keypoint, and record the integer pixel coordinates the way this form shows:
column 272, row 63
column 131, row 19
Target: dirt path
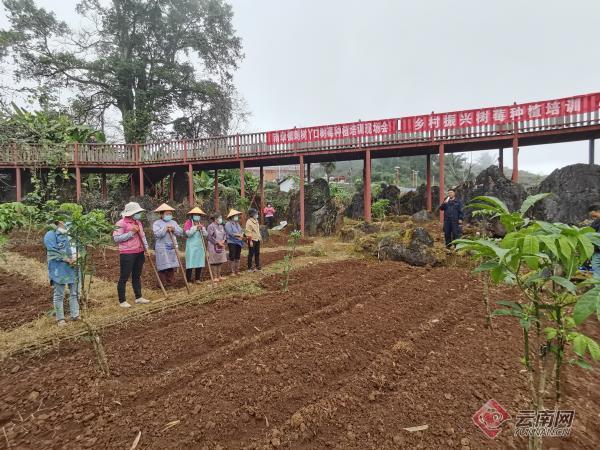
column 342, row 360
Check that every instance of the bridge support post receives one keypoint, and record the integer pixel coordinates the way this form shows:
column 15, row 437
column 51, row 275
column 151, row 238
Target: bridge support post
column 18, row 184
column 171, row 186
column 592, row 156
column 191, row 198
column 141, row 180
column 302, row 195
column 442, row 185
column 428, row 181
column 242, row 181
column 216, row 191
column 501, row 160
column 367, row 186
column 308, row 172
column 261, row 186
column 515, row 155
column 103, row 187
column 78, row 183
column 132, row 183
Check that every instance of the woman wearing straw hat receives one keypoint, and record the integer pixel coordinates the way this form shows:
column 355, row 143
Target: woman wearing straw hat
column 165, row 246
column 194, row 247
column 216, row 245
column 129, row 235
column 235, row 241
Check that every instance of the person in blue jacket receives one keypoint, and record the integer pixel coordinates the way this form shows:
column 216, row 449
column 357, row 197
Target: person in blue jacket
column 453, row 217
column 62, row 270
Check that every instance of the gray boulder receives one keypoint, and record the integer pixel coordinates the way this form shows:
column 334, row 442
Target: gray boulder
column 574, row 189
column 355, row 209
column 321, row 215
column 492, row 182
column 416, row 248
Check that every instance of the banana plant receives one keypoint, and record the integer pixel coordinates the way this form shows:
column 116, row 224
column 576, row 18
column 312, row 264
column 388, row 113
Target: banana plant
column 541, row 259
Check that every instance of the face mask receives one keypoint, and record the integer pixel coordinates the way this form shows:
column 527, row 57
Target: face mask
column 196, row 218
column 62, row 230
column 219, row 220
column 137, row 216
column 167, row 217
column 236, row 218
column 255, row 216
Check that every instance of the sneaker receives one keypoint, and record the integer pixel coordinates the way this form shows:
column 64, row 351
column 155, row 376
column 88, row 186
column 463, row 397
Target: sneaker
column 250, row 270
column 61, row 323
column 75, row 319
column 142, row 300
column 222, row 278
column 124, row 305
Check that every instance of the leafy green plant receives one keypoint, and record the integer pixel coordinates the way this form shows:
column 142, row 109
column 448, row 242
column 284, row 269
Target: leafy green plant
column 541, row 259
column 289, row 257
column 380, row 209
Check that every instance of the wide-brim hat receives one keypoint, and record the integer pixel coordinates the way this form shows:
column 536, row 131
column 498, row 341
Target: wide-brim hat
column 164, row 207
column 196, row 210
column 131, row 208
column 233, row 212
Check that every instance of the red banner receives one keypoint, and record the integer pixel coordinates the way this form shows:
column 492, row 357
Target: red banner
column 339, row 131
column 502, row 114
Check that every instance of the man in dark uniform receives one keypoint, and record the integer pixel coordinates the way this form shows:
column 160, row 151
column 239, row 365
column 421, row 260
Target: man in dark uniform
column 594, row 211
column 453, row 216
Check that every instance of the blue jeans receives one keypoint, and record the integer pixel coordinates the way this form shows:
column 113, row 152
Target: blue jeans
column 59, row 297
column 596, row 264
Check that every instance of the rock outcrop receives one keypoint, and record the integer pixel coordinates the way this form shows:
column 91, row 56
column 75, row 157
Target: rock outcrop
column 321, row 215
column 492, row 182
column 574, row 189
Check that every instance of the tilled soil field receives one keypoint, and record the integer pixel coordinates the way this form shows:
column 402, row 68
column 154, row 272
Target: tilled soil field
column 21, row 302
column 351, row 355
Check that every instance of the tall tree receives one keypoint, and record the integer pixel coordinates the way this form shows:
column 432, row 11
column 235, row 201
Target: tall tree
column 159, row 62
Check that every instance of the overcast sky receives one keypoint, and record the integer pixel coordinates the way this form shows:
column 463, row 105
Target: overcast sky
column 311, row 62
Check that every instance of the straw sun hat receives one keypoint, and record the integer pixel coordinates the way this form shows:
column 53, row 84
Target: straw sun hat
column 163, row 208
column 233, row 212
column 196, row 210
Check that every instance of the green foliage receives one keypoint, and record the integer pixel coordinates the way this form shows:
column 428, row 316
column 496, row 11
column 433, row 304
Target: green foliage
column 14, row 215
column 541, row 259
column 342, row 196
column 135, row 55
column 289, row 257
column 380, row 209
column 44, row 127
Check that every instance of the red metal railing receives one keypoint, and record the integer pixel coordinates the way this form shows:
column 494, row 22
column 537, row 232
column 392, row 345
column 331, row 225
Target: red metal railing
column 255, row 144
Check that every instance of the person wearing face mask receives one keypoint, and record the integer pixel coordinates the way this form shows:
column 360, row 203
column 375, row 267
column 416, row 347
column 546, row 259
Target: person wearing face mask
column 165, row 246
column 62, row 271
column 195, row 255
column 234, row 239
column 216, row 245
column 253, row 234
column 130, row 237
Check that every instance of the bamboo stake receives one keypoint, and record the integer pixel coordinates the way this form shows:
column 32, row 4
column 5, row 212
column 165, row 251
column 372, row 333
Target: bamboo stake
column 212, row 280
column 162, row 287
column 187, row 286
column 160, row 283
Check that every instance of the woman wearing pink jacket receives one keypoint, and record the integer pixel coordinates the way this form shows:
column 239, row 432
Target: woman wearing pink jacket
column 132, row 247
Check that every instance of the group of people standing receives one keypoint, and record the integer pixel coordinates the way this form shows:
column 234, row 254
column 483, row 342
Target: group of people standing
column 214, row 243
